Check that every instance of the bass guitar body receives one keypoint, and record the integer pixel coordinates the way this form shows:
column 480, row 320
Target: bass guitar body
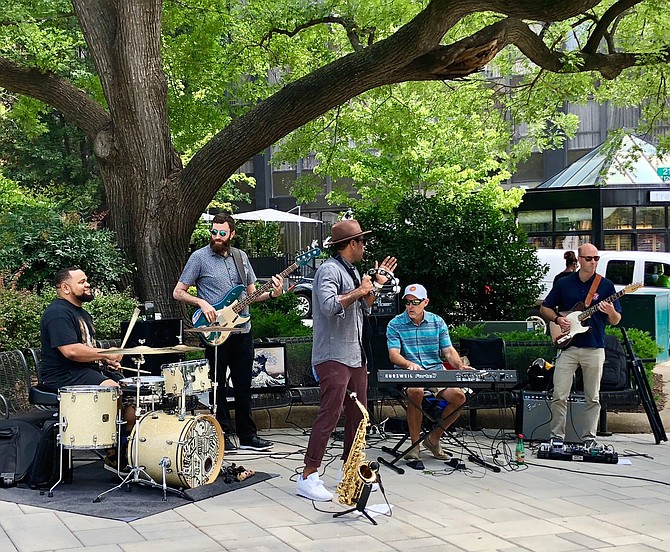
column 563, row 339
column 226, row 317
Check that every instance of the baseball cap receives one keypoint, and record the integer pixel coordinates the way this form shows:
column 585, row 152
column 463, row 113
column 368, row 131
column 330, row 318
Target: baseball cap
column 417, row 290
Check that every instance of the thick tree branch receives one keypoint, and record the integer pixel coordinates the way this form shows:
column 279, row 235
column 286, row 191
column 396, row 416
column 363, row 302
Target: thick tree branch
column 57, row 92
column 614, row 11
column 414, row 52
column 354, row 32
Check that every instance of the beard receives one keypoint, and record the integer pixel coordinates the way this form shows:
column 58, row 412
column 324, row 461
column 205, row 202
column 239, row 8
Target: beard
column 85, row 297
column 219, row 247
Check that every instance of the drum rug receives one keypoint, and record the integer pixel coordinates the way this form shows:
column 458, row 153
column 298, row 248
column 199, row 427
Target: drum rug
column 128, row 503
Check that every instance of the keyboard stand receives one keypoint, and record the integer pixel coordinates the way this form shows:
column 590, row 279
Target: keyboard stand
column 397, row 452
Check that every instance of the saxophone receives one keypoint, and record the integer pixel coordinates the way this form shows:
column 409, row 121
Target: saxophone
column 356, row 472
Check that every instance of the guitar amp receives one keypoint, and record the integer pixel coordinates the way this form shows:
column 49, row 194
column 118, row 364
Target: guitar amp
column 385, row 306
column 534, row 417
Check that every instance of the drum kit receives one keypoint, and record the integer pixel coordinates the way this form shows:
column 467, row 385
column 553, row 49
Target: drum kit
column 166, row 446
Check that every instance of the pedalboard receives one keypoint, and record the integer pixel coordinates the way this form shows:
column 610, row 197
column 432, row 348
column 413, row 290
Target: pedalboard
column 557, row 450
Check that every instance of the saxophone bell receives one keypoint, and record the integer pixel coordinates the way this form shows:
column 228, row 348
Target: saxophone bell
column 367, row 472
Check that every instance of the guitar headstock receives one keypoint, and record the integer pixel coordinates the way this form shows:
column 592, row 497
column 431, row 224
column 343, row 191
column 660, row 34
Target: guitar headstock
column 312, row 253
column 630, row 288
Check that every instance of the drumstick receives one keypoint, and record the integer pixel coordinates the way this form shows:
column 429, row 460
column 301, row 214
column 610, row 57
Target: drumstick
column 133, row 319
column 134, row 370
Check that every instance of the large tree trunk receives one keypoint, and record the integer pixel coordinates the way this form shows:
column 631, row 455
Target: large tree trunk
column 139, row 167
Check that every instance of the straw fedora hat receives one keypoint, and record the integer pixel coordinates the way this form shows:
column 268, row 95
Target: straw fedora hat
column 345, row 230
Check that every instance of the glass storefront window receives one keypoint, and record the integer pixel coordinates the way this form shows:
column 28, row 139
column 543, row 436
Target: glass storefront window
column 571, row 220
column 651, row 241
column 650, row 217
column 572, row 242
column 618, row 242
column 541, row 242
column 618, row 218
column 535, row 221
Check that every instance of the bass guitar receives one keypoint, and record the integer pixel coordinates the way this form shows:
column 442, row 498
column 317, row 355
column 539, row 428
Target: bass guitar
column 577, row 315
column 229, row 308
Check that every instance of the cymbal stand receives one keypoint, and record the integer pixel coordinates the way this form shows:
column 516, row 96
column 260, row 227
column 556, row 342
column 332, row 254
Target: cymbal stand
column 133, row 475
column 216, row 380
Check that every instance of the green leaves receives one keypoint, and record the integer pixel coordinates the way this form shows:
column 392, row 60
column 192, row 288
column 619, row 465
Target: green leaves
column 469, row 254
column 37, row 243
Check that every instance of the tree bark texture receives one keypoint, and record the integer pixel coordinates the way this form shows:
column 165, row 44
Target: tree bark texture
column 155, row 202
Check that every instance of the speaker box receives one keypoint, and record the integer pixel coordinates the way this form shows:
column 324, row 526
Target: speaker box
column 153, row 333
column 534, row 417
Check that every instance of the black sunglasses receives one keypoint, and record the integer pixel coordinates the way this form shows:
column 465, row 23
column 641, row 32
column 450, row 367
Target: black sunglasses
column 364, row 241
column 589, row 258
column 415, row 302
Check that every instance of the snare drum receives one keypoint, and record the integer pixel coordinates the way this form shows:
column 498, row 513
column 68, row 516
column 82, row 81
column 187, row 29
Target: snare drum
column 152, row 390
column 192, row 377
column 190, row 446
column 88, row 416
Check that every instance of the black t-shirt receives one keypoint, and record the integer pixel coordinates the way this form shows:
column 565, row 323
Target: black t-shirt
column 64, row 324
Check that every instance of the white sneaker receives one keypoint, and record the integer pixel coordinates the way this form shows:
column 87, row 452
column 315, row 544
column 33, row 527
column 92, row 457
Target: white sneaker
column 312, row 488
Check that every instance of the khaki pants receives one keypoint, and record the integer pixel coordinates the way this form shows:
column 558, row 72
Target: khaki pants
column 591, row 360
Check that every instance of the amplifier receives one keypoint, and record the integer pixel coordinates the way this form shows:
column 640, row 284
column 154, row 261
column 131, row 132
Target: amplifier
column 385, row 306
column 534, row 417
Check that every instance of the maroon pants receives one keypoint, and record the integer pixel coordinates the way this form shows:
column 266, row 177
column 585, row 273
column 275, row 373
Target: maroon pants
column 335, row 379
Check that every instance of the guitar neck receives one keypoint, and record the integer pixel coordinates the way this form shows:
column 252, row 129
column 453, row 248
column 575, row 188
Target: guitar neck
column 588, row 312
column 265, row 287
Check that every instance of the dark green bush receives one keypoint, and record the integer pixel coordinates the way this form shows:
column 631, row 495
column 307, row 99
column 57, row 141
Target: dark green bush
column 21, row 312
column 37, row 243
column 277, row 318
column 108, row 311
column 470, row 255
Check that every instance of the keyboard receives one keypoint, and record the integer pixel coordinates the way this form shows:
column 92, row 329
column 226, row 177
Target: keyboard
column 476, row 379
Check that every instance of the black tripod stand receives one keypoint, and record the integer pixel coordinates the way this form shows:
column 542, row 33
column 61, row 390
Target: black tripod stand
column 362, row 500
column 646, row 394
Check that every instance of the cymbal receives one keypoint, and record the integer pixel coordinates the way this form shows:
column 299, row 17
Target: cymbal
column 210, row 329
column 144, row 350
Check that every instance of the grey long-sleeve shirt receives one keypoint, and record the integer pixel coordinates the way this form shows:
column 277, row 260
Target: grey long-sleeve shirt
column 337, row 332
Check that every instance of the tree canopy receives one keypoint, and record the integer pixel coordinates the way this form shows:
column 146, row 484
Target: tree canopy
column 174, row 96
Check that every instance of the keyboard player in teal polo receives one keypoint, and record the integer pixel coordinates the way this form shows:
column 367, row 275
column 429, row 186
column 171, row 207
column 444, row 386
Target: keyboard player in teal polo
column 419, row 340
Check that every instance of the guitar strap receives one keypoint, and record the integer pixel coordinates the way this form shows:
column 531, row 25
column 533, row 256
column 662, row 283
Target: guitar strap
column 237, row 259
column 592, row 290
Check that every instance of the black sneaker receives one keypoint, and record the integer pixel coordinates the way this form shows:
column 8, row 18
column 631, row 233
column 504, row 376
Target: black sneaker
column 230, row 447
column 256, row 443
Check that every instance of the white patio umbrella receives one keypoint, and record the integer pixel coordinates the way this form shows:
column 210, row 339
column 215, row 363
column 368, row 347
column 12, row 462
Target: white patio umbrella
column 273, row 215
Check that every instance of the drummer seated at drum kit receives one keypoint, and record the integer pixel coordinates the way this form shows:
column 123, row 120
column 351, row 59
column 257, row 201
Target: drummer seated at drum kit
column 69, row 354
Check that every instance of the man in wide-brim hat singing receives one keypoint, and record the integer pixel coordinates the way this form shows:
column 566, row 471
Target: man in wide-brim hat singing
column 341, row 298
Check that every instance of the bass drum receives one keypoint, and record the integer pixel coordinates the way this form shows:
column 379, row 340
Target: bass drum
column 190, row 446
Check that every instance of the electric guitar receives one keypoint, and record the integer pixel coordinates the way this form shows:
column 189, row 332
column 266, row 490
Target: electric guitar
column 577, row 315
column 229, row 308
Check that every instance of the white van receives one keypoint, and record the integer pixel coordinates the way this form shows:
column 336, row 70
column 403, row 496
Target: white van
column 622, row 267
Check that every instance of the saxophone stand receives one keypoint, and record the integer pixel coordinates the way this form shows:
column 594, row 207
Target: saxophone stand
column 362, row 501
column 133, row 476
